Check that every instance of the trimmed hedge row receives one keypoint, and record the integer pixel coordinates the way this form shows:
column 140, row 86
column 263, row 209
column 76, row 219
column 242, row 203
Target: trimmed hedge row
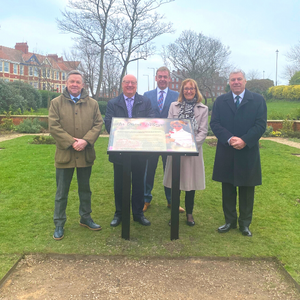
column 284, row 92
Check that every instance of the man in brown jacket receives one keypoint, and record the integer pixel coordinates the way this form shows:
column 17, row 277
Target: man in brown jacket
column 75, row 123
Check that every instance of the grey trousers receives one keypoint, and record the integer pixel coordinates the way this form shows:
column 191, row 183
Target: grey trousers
column 63, row 181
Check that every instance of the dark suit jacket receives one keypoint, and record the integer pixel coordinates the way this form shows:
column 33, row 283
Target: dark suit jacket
column 116, row 107
column 171, row 97
column 238, row 167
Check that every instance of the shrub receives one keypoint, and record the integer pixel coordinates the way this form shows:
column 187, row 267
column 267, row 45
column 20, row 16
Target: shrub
column 102, row 107
column 29, row 126
column 284, row 92
column 29, row 93
column 7, row 123
column 277, row 115
column 268, row 131
column 9, row 99
column 276, row 133
column 41, row 139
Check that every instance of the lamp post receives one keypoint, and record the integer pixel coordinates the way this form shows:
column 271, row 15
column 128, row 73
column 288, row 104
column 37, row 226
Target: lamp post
column 276, row 66
column 153, row 77
column 148, row 79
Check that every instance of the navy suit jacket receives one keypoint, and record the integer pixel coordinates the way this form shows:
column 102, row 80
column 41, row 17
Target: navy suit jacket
column 171, row 97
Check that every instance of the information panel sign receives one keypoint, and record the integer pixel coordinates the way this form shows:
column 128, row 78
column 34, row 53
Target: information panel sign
column 152, row 135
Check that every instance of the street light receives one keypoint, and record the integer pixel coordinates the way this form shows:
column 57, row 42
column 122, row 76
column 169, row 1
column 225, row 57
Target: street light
column 276, row 65
column 153, row 77
column 148, row 80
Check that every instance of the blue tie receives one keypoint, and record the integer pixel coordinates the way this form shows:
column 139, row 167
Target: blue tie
column 129, row 104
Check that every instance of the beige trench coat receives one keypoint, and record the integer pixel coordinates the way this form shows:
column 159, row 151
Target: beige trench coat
column 82, row 120
column 192, row 175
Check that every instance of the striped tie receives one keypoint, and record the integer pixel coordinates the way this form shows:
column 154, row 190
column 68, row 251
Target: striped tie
column 161, row 100
column 237, row 101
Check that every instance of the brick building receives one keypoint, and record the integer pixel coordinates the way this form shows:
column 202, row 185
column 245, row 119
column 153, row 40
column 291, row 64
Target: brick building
column 214, row 87
column 43, row 72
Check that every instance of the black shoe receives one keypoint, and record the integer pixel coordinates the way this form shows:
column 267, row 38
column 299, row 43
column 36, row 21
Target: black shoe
column 142, row 220
column 245, row 231
column 190, row 223
column 226, row 227
column 90, row 224
column 58, row 233
column 115, row 222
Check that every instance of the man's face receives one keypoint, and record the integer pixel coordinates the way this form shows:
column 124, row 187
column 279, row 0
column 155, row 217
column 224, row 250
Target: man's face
column 162, row 78
column 237, row 83
column 74, row 85
column 129, row 85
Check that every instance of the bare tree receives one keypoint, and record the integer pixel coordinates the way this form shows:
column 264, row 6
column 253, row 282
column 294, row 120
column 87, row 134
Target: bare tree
column 93, row 22
column 138, row 27
column 199, row 57
column 293, row 56
column 253, row 74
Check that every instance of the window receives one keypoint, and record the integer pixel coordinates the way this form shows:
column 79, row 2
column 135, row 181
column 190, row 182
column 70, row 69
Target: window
column 21, row 70
column 57, row 88
column 44, row 86
column 63, row 87
column 30, row 71
column 36, row 72
column 48, row 73
column 44, row 73
column 6, row 67
column 172, row 85
column 1, row 66
column 218, row 88
column 15, row 69
column 52, row 74
column 36, row 85
column 176, row 79
column 63, row 76
column 57, row 75
column 177, row 85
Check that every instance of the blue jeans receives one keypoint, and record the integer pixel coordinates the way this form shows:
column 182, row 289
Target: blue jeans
column 63, row 181
column 151, row 166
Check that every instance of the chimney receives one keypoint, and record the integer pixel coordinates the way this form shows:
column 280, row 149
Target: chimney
column 22, row 47
column 53, row 56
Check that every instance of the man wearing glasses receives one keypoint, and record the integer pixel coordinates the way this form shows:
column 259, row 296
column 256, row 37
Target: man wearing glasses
column 129, row 105
column 161, row 99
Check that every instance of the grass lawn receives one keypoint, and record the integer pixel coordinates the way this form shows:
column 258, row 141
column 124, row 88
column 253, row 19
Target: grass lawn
column 27, row 189
column 278, row 110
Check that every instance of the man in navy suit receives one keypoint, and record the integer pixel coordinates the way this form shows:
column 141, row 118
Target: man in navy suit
column 161, row 99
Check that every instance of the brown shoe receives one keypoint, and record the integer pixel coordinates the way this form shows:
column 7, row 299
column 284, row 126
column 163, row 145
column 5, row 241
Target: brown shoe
column 181, row 210
column 146, row 205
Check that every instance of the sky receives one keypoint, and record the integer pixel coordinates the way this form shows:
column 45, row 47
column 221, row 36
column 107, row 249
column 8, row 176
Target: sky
column 252, row 29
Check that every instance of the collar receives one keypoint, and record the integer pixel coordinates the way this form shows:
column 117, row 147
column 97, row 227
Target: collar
column 241, row 95
column 165, row 90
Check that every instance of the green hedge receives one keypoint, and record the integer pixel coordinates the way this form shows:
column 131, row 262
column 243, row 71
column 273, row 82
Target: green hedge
column 102, row 107
column 47, row 95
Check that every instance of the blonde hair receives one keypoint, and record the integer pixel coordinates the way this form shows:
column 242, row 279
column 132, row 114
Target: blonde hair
column 198, row 95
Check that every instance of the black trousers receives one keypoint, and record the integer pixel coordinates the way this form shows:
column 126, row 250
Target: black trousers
column 138, row 166
column 246, row 201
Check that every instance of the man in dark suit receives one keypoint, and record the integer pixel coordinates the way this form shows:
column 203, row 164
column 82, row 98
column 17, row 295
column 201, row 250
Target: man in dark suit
column 161, row 99
column 129, row 105
column 238, row 120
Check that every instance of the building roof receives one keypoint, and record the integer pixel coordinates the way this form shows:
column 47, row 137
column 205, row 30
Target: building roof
column 29, row 58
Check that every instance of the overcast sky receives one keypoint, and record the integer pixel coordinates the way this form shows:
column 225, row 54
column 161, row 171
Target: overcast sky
column 252, row 29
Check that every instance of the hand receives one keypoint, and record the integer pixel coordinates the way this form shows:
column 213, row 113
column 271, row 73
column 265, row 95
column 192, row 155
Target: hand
column 79, row 144
column 237, row 143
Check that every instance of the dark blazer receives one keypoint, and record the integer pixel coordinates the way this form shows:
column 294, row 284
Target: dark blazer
column 116, row 107
column 238, row 167
column 171, row 97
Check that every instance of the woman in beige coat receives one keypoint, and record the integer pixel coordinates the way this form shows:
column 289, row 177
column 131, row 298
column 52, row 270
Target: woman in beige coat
column 192, row 176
